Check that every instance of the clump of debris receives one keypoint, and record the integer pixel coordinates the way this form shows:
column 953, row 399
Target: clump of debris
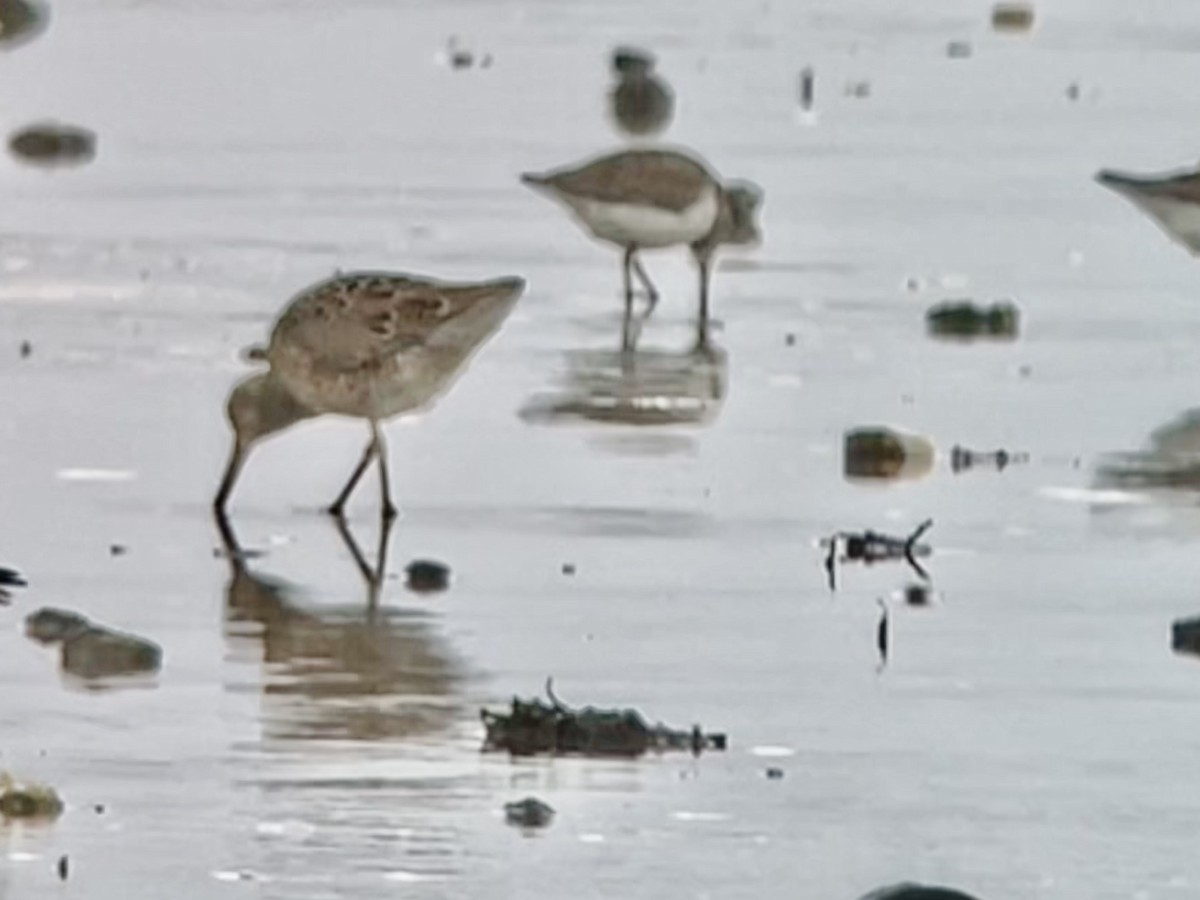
column 870, row 547
column 962, row 459
column 27, row 801
column 532, row 727
column 964, row 319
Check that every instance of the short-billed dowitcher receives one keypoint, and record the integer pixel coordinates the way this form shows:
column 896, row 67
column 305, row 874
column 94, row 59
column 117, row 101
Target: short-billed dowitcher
column 1173, row 201
column 641, row 103
column 371, row 345
column 639, row 199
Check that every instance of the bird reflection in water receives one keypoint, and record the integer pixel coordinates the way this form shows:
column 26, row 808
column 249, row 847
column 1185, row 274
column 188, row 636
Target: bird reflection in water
column 358, row 672
column 638, row 387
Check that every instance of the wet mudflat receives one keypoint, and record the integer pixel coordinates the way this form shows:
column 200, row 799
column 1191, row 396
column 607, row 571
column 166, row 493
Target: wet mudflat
column 1032, row 734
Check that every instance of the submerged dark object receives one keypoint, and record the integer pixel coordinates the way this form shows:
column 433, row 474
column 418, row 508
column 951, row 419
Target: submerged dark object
column 53, row 144
column 528, row 813
column 964, row 319
column 916, row 595
column 1185, row 636
column 908, row 890
column 962, row 459
column 426, row 576
column 533, row 727
column 879, row 452
column 21, row 21
column 870, row 547
column 91, row 651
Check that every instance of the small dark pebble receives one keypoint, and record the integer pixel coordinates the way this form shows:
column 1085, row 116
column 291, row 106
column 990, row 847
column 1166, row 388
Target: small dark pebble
column 528, row 813
column 26, row 349
column 774, row 774
column 99, row 809
column 789, row 339
column 916, row 595
column 568, row 568
column 63, row 868
column 425, row 576
column 117, row 550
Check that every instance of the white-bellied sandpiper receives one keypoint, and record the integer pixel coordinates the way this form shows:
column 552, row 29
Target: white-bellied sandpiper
column 648, row 199
column 372, row 345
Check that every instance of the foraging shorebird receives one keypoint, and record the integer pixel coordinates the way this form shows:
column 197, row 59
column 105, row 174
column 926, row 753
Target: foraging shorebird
column 641, row 103
column 649, row 199
column 372, row 345
column 1173, row 201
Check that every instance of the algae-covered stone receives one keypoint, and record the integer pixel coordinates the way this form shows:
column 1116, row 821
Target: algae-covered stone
column 881, row 452
column 964, row 319
column 1012, row 17
column 50, row 625
column 98, row 652
column 27, row 801
column 21, row 21
column 53, row 144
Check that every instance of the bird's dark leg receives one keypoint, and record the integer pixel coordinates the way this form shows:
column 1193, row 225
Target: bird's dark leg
column 703, row 262
column 831, row 563
column 627, row 282
column 651, row 290
column 338, row 507
column 387, row 508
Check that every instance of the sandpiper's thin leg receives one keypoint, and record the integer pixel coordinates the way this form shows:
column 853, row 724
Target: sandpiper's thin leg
column 338, row 507
column 627, row 280
column 387, row 508
column 703, row 263
column 651, row 290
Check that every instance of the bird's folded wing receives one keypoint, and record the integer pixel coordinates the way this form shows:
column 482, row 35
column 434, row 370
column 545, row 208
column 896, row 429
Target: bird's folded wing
column 666, row 180
column 349, row 327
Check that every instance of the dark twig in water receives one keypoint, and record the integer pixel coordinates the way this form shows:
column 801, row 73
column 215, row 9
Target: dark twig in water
column 869, row 547
column 881, row 635
column 554, row 701
column 532, row 726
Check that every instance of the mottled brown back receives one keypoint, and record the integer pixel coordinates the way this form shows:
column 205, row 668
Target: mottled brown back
column 358, row 320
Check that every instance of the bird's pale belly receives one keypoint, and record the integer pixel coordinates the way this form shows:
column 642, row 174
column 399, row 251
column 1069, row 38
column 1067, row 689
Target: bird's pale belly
column 649, row 226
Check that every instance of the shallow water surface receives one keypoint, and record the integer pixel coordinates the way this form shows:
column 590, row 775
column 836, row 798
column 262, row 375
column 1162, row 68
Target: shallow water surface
column 316, row 734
